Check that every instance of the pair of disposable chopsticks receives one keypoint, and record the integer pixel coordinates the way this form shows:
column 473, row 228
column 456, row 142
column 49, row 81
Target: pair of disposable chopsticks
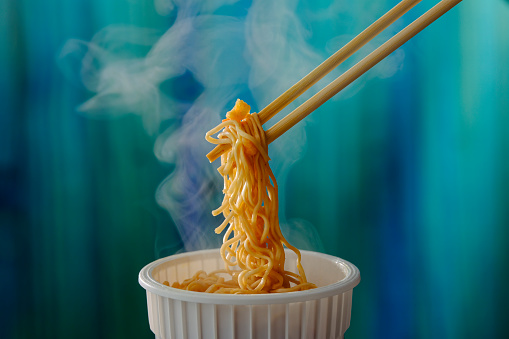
column 347, row 77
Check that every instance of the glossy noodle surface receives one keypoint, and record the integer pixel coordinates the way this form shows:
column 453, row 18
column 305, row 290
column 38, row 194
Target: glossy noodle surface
column 253, row 245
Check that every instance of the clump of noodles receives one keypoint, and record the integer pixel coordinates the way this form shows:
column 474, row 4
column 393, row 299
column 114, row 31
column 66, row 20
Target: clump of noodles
column 253, row 241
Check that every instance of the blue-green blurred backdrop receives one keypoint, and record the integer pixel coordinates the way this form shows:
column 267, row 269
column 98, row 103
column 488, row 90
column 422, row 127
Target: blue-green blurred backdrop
column 405, row 173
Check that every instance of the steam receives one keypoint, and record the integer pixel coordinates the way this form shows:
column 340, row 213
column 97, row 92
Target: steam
column 255, row 57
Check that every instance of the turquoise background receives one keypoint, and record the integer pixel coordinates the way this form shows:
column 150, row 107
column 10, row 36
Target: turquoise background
column 405, row 173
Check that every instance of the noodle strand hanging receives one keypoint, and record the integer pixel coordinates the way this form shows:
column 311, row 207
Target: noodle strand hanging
column 253, row 245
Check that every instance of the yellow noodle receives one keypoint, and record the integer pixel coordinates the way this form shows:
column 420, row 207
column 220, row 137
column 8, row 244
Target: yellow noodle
column 252, row 240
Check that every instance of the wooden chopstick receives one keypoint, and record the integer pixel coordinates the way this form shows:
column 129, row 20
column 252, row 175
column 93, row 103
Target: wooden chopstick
column 348, row 77
column 336, row 59
column 326, row 67
column 360, row 68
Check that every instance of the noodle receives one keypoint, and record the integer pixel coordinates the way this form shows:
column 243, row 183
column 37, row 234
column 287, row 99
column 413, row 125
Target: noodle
column 252, row 241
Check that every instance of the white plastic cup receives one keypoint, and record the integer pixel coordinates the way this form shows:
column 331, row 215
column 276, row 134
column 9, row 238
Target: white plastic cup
column 320, row 313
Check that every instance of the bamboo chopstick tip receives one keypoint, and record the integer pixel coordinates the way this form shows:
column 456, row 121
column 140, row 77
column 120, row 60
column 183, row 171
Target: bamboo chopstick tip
column 217, row 152
column 212, row 156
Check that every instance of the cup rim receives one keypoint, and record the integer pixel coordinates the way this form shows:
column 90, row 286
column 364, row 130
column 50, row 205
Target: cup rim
column 351, row 280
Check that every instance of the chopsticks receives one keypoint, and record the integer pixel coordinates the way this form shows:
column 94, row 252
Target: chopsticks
column 336, row 59
column 349, row 76
column 326, row 67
